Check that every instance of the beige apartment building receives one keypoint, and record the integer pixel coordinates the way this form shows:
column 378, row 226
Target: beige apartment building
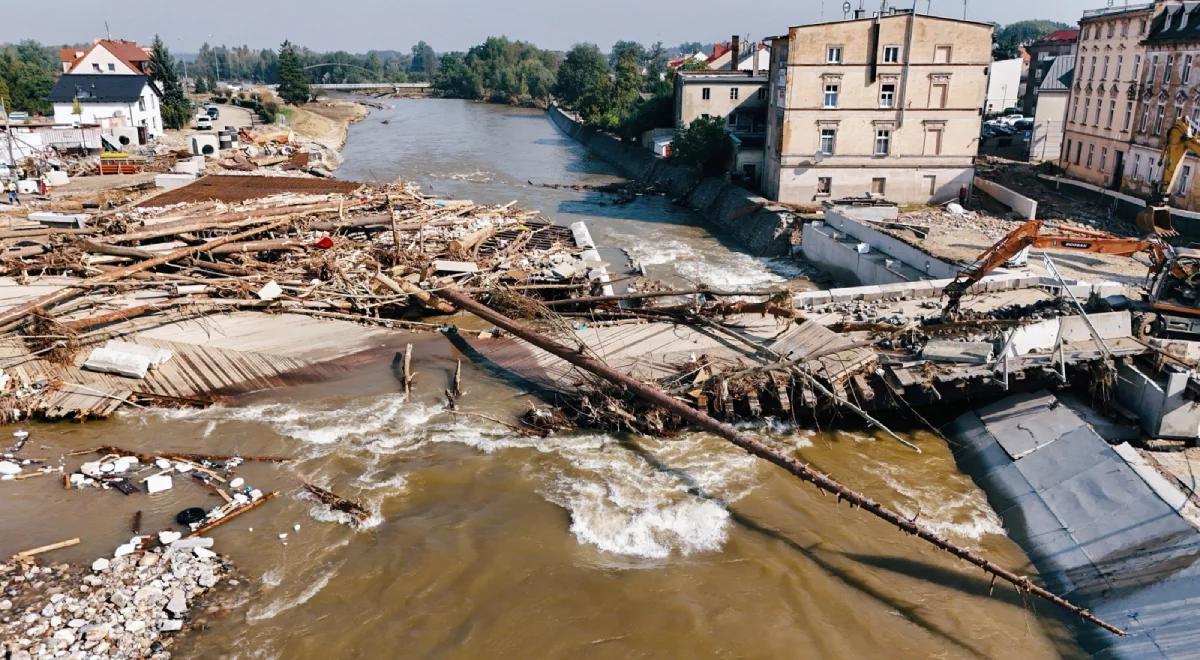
column 1167, row 90
column 738, row 97
column 1100, row 115
column 889, row 104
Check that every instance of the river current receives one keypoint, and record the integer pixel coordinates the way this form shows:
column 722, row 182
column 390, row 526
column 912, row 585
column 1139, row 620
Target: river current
column 484, row 544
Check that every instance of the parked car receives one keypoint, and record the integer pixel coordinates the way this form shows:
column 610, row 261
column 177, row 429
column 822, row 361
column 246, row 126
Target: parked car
column 1023, row 124
column 1011, row 119
column 203, row 122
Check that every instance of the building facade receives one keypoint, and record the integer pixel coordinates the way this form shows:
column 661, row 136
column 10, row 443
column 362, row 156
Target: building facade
column 108, row 100
column 1041, row 54
column 1102, row 110
column 889, row 105
column 1050, row 115
column 1168, row 89
column 1004, row 85
column 738, row 97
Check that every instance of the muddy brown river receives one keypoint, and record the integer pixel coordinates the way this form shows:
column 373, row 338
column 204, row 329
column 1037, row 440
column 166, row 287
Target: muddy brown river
column 483, row 544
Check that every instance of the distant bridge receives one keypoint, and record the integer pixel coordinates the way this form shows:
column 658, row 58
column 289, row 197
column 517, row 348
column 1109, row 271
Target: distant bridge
column 399, row 87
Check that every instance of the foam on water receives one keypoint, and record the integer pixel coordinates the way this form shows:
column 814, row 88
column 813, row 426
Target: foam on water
column 654, row 253
column 734, row 269
column 260, row 612
column 963, row 515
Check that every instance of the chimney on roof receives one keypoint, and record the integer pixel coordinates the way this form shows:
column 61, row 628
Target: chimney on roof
column 735, row 44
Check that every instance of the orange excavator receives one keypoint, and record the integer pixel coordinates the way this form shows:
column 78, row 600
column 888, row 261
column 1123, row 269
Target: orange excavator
column 1171, row 306
column 1181, row 138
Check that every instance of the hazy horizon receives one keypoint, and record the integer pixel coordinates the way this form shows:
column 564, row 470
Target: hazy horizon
column 362, row 25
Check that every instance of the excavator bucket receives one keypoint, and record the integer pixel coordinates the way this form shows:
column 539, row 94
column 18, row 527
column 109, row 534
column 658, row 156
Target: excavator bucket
column 1156, row 220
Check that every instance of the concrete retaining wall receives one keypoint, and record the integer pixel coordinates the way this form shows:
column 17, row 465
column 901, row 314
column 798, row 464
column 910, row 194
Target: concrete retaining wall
column 730, row 210
column 846, row 220
column 1127, row 206
column 1010, row 198
column 1159, row 403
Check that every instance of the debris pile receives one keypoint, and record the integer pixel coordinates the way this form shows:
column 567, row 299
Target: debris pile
column 127, row 606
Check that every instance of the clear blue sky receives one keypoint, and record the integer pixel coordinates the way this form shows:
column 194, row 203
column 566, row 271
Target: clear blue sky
column 361, row 25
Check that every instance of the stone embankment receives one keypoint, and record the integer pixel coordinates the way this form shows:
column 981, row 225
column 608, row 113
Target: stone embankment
column 124, row 607
column 753, row 221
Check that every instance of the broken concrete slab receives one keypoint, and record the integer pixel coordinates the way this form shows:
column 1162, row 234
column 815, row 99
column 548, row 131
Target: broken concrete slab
column 970, row 352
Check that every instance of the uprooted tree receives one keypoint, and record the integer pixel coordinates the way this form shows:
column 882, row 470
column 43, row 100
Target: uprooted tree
column 175, row 107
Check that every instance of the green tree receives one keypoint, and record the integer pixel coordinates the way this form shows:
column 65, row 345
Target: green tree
column 28, row 70
column 424, row 60
column 623, row 49
column 703, row 145
column 5, row 95
column 293, row 82
column 627, row 83
column 455, row 79
column 656, row 70
column 658, row 112
column 584, row 70
column 202, row 86
column 1008, row 39
column 175, row 107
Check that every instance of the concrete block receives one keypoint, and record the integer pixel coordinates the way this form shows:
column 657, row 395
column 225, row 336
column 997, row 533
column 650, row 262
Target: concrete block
column 56, row 178
column 55, row 219
column 27, row 186
column 970, row 352
column 169, row 181
column 159, row 483
column 205, row 145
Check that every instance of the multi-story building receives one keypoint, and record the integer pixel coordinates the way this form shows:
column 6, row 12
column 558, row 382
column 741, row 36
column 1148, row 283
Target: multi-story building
column 1041, row 55
column 1102, row 108
column 888, row 104
column 1166, row 91
column 738, row 97
column 1050, row 115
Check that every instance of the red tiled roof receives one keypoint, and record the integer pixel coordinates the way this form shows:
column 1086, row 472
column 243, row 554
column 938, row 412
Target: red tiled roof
column 128, row 52
column 718, row 50
column 1062, row 36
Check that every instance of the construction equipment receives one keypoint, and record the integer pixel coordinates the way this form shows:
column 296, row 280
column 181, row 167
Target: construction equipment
column 1172, row 304
column 1181, row 138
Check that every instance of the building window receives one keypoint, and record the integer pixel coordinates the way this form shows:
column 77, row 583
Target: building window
column 1178, row 113
column 1196, row 115
column 112, row 67
column 1075, row 113
column 1067, row 152
column 887, row 95
column 878, row 185
column 1137, row 166
column 762, row 93
column 1167, row 69
column 933, row 141
column 1092, row 73
column 833, row 55
column 733, row 93
column 1096, row 119
column 1125, row 28
column 883, row 141
column 1137, row 64
column 1087, row 109
column 1112, row 111
column 824, row 185
column 1144, row 120
column 1078, row 150
column 1103, row 158
column 1142, row 26
column 831, row 95
column 1111, row 28
column 828, row 140
column 1186, row 74
column 1185, row 176
column 142, row 104
column 1128, row 116
column 1153, row 68
column 1091, row 153
column 1120, row 65
column 96, row 67
column 941, row 55
column 891, row 54
column 1104, row 73
column 938, row 92
column 1158, row 118
column 932, row 181
column 706, row 93
column 781, row 93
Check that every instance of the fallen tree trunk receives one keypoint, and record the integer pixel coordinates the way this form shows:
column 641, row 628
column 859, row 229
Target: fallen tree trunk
column 752, row 446
column 20, row 314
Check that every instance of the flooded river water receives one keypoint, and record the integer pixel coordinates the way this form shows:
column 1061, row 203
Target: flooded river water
column 484, row 544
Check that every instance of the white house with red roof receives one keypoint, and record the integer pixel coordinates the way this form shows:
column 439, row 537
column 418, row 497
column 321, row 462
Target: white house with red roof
column 106, row 56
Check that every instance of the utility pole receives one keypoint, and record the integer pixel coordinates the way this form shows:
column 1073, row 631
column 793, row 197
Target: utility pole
column 8, row 135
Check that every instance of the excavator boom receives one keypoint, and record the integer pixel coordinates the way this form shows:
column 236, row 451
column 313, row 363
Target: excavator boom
column 1181, row 139
column 1029, row 235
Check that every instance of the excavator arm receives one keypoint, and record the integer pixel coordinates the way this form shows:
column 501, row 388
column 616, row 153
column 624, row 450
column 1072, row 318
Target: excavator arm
column 1181, row 139
column 1029, row 235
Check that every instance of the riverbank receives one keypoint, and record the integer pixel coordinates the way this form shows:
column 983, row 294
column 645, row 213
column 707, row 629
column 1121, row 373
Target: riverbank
column 760, row 227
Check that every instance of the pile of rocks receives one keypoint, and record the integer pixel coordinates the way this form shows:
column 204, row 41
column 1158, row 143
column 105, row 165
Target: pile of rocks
column 123, row 607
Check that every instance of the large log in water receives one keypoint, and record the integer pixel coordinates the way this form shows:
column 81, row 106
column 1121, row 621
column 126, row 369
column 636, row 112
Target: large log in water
column 751, row 445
